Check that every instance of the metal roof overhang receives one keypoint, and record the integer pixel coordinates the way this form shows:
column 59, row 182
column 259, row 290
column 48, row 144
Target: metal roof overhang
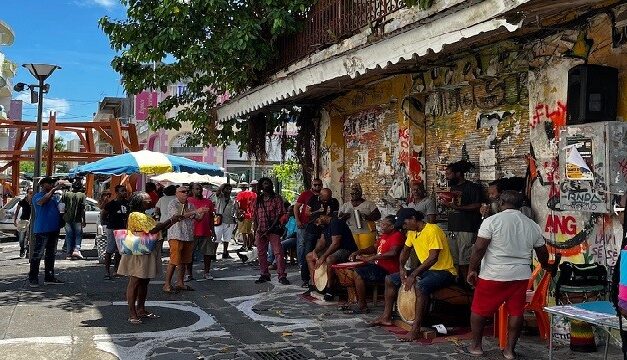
column 485, row 23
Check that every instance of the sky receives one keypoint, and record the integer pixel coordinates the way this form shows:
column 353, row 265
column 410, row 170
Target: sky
column 64, row 33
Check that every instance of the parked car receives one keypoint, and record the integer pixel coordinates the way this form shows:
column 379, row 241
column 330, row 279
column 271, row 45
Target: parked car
column 92, row 217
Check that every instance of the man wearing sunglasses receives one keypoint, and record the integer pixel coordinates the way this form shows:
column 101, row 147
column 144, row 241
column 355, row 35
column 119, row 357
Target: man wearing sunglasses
column 302, row 218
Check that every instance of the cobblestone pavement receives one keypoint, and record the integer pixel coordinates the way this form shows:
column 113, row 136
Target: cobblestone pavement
column 227, row 318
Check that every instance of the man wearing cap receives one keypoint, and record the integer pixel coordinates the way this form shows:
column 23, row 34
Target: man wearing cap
column 46, row 232
column 436, row 269
column 244, row 203
column 334, row 246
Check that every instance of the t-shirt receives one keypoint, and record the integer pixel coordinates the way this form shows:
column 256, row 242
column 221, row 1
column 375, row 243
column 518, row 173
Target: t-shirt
column 385, row 243
column 290, row 227
column 339, row 227
column 315, row 204
column 26, row 209
column 365, row 208
column 74, row 206
column 465, row 220
column 508, row 257
column 202, row 227
column 226, row 207
column 246, row 199
column 117, row 214
column 425, row 206
column 154, row 198
column 47, row 217
column 431, row 238
column 184, row 229
column 303, row 198
column 163, row 204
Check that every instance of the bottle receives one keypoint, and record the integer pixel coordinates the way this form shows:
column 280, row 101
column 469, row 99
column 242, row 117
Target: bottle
column 358, row 223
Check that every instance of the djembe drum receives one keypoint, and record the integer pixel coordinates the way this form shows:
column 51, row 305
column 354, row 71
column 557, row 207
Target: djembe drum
column 406, row 304
column 320, row 277
column 346, row 277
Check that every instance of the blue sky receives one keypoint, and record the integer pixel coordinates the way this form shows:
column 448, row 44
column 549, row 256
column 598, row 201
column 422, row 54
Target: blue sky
column 65, row 33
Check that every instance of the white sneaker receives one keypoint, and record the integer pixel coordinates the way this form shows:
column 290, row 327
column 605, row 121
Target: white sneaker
column 77, row 254
column 208, row 276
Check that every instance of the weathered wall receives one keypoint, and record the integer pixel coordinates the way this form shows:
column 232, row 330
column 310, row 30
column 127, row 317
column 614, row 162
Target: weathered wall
column 475, row 108
column 367, row 138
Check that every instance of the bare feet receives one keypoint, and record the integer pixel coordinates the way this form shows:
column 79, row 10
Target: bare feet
column 409, row 337
column 473, row 351
column 380, row 322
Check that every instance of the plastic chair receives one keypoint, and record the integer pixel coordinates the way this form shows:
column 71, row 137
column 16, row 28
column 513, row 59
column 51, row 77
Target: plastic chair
column 539, row 299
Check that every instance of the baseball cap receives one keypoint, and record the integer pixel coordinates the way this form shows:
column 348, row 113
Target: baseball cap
column 243, row 184
column 46, row 180
column 405, row 213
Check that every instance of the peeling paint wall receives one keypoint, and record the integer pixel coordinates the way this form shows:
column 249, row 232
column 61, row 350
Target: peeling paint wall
column 367, row 138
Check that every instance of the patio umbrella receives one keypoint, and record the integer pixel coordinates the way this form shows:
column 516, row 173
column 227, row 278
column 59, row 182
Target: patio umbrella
column 146, row 162
column 184, row 178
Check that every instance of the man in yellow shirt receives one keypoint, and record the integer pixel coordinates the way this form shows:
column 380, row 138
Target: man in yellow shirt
column 436, row 269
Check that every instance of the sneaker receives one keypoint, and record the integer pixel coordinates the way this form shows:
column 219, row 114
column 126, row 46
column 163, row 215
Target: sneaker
column 33, row 283
column 226, row 256
column 22, row 252
column 262, row 279
column 77, row 254
column 329, row 296
column 208, row 277
column 53, row 281
column 188, row 278
column 242, row 257
column 284, row 281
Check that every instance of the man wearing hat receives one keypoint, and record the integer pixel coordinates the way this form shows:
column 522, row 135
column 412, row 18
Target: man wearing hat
column 436, row 269
column 46, row 232
column 334, row 246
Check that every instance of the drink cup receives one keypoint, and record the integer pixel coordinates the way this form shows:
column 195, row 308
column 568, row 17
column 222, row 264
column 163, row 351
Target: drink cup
column 62, row 208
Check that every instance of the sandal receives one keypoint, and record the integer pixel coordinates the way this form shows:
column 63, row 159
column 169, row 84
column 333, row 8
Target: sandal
column 170, row 291
column 344, row 307
column 184, row 288
column 135, row 321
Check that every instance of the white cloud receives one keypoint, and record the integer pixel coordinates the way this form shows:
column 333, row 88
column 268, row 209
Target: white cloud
column 60, row 106
column 107, row 4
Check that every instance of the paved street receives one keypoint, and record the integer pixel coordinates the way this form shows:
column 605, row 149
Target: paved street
column 227, row 318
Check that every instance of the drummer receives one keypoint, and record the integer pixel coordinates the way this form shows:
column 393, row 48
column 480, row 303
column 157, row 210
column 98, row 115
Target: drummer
column 334, row 246
column 436, row 269
column 381, row 258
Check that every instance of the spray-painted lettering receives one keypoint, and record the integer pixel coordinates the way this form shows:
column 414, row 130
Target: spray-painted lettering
column 557, row 224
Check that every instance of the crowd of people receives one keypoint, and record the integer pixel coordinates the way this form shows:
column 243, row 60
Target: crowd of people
column 486, row 243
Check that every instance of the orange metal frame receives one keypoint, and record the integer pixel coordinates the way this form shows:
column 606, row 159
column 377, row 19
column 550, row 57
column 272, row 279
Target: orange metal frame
column 111, row 131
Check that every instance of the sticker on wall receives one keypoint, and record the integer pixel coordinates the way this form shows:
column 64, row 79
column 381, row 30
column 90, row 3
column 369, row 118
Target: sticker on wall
column 579, row 159
column 487, row 165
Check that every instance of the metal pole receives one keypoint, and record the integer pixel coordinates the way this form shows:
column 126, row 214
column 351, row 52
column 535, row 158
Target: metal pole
column 40, row 109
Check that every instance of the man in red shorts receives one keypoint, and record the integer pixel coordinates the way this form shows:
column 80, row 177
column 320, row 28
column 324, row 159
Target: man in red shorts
column 503, row 249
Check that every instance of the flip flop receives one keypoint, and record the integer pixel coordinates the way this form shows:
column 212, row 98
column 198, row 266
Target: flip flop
column 170, row 291
column 150, row 316
column 185, row 288
column 135, row 321
column 344, row 307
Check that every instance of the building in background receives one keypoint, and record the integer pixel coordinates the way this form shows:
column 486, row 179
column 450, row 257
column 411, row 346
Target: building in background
column 7, row 72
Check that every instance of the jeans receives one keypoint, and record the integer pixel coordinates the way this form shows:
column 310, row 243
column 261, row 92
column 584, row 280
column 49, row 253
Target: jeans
column 262, row 243
column 286, row 244
column 309, row 244
column 48, row 242
column 73, row 237
column 300, row 247
column 22, row 233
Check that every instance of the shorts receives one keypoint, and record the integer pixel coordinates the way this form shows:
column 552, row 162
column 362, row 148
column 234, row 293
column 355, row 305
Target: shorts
column 245, row 226
column 490, row 295
column 372, row 273
column 112, row 247
column 224, row 232
column 339, row 256
column 460, row 244
column 429, row 281
column 181, row 251
column 205, row 245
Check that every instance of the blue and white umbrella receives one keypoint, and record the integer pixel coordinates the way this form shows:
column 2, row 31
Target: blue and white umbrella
column 146, row 162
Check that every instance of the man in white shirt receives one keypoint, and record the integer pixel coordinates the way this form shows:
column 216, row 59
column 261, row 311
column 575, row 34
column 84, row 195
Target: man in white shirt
column 503, row 248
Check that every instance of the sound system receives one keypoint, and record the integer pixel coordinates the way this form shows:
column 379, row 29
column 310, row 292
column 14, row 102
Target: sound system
column 592, row 94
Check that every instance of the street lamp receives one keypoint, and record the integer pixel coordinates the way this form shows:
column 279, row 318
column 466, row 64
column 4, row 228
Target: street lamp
column 41, row 72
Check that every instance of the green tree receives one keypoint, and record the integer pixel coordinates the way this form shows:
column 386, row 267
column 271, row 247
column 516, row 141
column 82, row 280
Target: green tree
column 214, row 46
column 288, row 174
column 59, row 144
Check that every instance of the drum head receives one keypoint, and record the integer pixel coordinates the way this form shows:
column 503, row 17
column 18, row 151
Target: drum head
column 406, row 304
column 320, row 277
column 348, row 265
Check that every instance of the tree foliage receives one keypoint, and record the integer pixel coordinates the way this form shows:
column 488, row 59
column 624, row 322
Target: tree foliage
column 288, row 174
column 214, row 46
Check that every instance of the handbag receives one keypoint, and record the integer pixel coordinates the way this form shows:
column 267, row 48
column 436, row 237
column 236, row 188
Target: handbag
column 134, row 243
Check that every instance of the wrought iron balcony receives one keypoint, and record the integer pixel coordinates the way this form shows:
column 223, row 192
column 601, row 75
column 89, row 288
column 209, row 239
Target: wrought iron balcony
column 327, row 23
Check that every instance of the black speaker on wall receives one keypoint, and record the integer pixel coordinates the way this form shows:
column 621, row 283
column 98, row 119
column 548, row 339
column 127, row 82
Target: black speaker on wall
column 592, row 94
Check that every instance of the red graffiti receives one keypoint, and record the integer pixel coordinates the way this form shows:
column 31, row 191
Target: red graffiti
column 623, row 167
column 557, row 116
column 557, row 224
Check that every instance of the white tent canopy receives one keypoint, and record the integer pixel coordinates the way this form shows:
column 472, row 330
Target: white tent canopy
column 186, row 178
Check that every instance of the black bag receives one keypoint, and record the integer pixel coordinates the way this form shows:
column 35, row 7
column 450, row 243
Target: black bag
column 582, row 275
column 276, row 229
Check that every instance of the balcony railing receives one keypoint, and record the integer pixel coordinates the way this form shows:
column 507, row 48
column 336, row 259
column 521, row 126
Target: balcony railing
column 327, row 23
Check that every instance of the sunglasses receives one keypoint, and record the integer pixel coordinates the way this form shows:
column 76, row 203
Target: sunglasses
column 316, row 185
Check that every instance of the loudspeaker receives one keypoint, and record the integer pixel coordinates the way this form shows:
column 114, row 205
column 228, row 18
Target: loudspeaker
column 592, row 94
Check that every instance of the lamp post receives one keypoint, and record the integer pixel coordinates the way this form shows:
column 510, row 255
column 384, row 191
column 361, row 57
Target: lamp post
column 41, row 72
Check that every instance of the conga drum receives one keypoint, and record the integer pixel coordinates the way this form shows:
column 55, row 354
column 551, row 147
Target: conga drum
column 346, row 277
column 406, row 304
column 320, row 277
